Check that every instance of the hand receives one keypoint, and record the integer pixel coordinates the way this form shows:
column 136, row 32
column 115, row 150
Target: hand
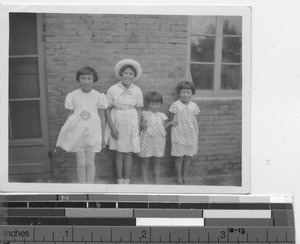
column 114, row 133
column 144, row 125
column 174, row 122
column 103, row 143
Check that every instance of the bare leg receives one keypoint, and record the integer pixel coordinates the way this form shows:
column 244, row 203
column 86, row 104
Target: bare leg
column 81, row 163
column 127, row 165
column 156, row 169
column 186, row 167
column 178, row 167
column 144, row 169
column 90, row 167
column 119, row 164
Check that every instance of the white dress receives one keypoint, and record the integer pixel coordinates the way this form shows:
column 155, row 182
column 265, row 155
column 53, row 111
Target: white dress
column 82, row 130
column 125, row 117
column 153, row 139
column 184, row 136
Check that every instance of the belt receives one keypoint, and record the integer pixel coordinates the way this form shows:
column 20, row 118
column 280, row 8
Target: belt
column 124, row 107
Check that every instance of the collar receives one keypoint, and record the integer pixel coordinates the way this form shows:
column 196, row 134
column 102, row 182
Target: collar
column 181, row 105
column 123, row 87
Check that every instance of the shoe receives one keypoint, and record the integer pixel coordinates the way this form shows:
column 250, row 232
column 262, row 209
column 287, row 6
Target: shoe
column 126, row 181
column 120, row 181
column 179, row 182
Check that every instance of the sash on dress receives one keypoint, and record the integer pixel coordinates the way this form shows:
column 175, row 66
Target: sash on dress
column 115, row 107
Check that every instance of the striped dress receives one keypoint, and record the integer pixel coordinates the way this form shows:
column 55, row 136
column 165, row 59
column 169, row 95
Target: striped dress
column 153, row 138
column 184, row 136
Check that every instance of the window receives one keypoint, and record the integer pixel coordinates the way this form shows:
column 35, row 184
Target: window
column 24, row 90
column 215, row 58
column 28, row 124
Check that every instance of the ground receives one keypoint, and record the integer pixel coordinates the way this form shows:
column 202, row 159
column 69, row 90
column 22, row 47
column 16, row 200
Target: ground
column 217, row 179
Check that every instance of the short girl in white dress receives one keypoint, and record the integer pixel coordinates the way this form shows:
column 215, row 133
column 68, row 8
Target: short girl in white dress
column 184, row 136
column 125, row 101
column 84, row 130
column 153, row 135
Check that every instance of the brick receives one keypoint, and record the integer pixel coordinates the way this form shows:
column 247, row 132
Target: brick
column 160, row 44
column 154, row 27
column 178, row 40
column 165, row 27
column 179, row 27
column 152, row 39
column 163, row 33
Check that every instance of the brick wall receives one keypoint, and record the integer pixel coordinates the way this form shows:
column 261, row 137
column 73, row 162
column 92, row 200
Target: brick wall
column 159, row 44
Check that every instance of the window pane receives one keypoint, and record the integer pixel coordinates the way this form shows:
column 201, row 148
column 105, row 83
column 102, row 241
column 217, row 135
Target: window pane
column 232, row 25
column 203, row 25
column 23, row 78
column 22, row 33
column 231, row 51
column 202, row 49
column 231, row 77
column 202, row 75
column 25, row 119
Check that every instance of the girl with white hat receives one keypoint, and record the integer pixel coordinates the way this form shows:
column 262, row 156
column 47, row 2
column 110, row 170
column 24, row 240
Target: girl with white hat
column 125, row 102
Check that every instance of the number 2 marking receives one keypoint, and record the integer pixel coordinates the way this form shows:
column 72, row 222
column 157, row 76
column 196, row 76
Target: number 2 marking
column 144, row 234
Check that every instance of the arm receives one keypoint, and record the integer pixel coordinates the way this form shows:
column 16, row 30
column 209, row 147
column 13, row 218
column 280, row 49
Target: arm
column 114, row 132
column 69, row 113
column 139, row 111
column 173, row 121
column 102, row 120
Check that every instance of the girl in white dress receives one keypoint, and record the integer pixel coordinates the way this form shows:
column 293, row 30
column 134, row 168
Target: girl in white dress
column 84, row 130
column 125, row 101
column 184, row 136
column 153, row 135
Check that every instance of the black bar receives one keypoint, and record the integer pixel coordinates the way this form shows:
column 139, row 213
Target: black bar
column 71, row 204
column 36, row 212
column 194, row 205
column 102, row 205
column 163, row 205
column 15, row 204
column 254, row 206
column 35, row 221
column 238, row 222
column 102, row 221
column 224, row 206
column 281, row 206
column 133, row 205
column 42, row 204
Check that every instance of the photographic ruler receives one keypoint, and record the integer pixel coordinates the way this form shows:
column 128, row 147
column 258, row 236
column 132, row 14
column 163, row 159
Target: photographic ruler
column 117, row 219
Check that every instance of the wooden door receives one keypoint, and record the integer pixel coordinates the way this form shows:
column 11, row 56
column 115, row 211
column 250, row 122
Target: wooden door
column 28, row 126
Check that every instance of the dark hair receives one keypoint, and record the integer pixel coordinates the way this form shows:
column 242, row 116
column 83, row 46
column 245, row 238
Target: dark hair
column 126, row 66
column 185, row 85
column 87, row 71
column 152, row 96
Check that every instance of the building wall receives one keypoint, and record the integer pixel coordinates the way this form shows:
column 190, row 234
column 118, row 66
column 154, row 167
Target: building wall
column 159, row 44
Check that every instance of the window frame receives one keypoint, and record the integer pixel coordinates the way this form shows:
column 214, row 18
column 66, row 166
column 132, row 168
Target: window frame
column 216, row 92
column 40, row 56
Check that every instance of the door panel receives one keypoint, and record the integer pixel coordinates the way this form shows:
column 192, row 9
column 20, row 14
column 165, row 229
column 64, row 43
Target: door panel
column 26, row 159
column 25, row 120
column 28, row 125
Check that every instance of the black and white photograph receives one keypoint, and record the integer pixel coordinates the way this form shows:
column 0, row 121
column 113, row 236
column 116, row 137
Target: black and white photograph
column 129, row 99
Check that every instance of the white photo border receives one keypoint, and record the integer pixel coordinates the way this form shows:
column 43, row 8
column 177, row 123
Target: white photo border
column 190, row 10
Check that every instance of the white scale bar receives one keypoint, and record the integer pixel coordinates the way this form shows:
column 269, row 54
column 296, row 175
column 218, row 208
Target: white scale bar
column 233, row 214
column 169, row 222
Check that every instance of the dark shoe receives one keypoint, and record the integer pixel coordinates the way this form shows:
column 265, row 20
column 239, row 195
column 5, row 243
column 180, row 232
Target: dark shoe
column 179, row 182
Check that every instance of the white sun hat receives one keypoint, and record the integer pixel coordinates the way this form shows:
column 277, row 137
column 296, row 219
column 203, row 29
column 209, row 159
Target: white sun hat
column 132, row 62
